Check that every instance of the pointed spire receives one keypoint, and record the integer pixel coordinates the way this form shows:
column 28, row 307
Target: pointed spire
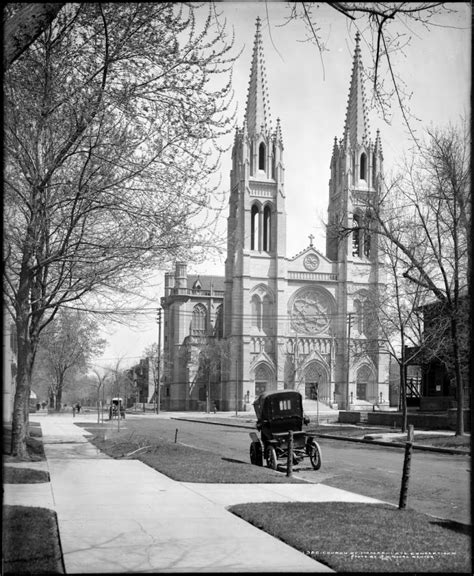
column 356, row 128
column 257, row 112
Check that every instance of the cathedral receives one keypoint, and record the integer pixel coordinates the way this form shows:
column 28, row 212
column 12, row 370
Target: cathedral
column 306, row 322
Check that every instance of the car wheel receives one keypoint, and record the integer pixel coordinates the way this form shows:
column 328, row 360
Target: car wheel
column 315, row 455
column 271, row 458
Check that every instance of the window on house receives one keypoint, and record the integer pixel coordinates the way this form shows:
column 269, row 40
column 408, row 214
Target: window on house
column 267, row 212
column 254, row 230
column 363, row 166
column 261, row 156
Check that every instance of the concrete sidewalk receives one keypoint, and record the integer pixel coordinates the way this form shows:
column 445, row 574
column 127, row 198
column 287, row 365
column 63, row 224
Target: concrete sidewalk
column 123, row 516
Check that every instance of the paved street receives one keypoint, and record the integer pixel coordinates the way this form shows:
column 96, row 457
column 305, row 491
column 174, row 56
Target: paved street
column 439, row 483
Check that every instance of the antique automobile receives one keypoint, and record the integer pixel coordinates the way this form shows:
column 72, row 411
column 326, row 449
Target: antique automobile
column 277, row 414
column 116, row 408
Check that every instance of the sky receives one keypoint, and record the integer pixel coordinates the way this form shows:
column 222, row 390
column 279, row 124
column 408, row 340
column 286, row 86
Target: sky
column 308, row 92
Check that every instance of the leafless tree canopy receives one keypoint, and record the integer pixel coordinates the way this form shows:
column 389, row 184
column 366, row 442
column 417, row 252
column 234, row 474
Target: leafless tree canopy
column 112, row 120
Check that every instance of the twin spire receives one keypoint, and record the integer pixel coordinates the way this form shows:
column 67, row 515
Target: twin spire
column 356, row 128
column 257, row 115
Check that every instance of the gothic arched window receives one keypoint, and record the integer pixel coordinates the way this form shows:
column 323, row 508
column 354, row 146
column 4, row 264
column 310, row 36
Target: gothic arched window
column 363, row 166
column 374, row 169
column 256, row 311
column 267, row 315
column 356, row 236
column 199, row 321
column 254, row 227
column 267, row 218
column 367, row 242
column 367, row 235
column 261, row 156
column 219, row 326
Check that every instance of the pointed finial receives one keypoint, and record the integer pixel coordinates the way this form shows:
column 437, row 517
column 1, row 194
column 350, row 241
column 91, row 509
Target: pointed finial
column 258, row 107
column 356, row 127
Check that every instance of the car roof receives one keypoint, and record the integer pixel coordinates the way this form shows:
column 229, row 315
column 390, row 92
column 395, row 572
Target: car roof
column 264, row 395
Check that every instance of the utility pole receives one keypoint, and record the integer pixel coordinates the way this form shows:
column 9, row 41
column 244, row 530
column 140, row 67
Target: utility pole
column 157, row 380
column 349, row 325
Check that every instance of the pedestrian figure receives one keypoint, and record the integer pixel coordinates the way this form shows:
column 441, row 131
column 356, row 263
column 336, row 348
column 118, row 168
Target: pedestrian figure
column 214, row 407
column 73, row 411
column 78, row 407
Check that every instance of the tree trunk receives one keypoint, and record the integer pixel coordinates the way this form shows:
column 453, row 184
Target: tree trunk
column 23, row 28
column 59, row 398
column 23, row 388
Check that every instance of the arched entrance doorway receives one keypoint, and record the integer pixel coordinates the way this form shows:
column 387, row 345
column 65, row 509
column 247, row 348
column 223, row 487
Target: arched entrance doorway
column 316, row 382
column 263, row 379
column 365, row 384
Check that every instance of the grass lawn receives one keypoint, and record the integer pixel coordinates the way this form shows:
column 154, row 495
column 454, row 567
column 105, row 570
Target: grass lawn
column 12, row 475
column 443, row 441
column 352, row 537
column 30, row 541
column 184, row 463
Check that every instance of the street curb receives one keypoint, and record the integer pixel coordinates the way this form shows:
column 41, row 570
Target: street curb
column 398, row 444
column 203, row 421
column 421, row 447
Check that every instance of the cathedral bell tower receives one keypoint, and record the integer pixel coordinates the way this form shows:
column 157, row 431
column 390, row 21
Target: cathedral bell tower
column 356, row 168
column 351, row 241
column 256, row 235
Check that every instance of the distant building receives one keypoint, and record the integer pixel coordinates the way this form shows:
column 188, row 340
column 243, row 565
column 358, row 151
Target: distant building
column 304, row 322
column 143, row 378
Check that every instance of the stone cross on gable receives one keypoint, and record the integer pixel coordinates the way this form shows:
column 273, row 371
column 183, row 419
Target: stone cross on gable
column 311, row 238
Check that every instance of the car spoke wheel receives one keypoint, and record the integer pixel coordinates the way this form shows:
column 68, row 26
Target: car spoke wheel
column 271, row 458
column 315, row 455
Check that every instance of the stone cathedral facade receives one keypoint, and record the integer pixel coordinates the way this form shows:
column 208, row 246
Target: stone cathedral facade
column 305, row 322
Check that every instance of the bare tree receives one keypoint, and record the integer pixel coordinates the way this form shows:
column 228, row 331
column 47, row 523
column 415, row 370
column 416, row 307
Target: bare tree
column 425, row 217
column 111, row 117
column 99, row 392
column 68, row 343
column 398, row 313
